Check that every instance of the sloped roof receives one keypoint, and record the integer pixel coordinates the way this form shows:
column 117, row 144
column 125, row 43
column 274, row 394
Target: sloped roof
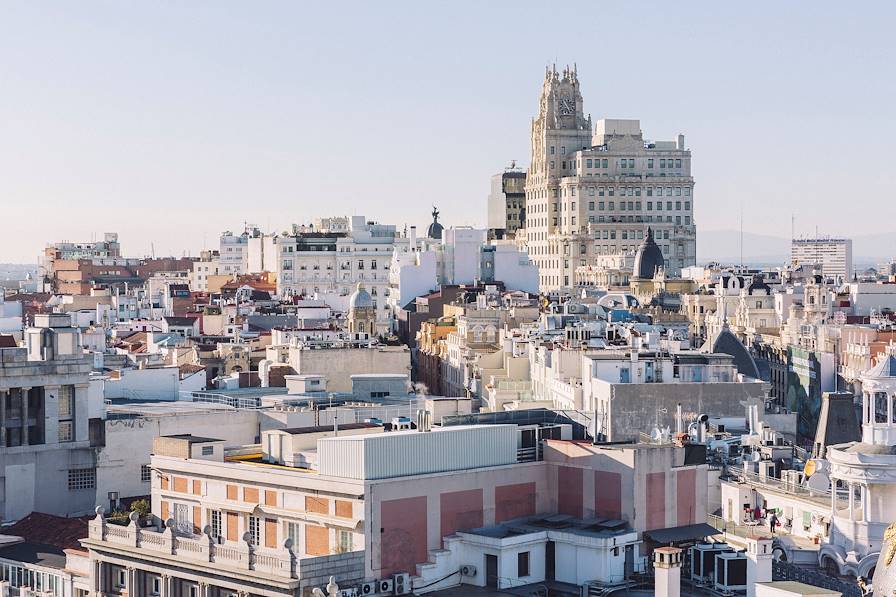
column 47, row 529
column 886, row 367
column 727, row 343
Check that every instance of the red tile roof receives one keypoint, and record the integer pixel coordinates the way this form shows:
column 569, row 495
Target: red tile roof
column 47, row 529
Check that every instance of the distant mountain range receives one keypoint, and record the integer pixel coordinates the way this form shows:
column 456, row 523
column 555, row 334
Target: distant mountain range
column 724, row 246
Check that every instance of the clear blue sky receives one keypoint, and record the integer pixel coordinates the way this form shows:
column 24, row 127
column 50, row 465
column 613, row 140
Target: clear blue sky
column 170, row 122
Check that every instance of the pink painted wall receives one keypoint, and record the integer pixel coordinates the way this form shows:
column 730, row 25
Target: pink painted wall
column 569, row 490
column 403, row 538
column 686, row 496
column 461, row 511
column 656, row 500
column 513, row 501
column 607, row 494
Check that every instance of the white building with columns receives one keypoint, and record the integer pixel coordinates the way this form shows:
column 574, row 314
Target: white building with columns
column 866, row 470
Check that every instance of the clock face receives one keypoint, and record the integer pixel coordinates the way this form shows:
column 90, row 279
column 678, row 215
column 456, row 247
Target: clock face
column 566, row 107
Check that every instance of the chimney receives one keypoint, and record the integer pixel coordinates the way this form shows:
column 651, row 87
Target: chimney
column 759, row 562
column 667, row 571
column 412, row 242
column 680, row 142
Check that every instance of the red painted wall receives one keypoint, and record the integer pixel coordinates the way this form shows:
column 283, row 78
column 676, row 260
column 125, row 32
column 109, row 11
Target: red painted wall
column 514, row 501
column 607, row 494
column 403, row 538
column 461, row 511
column 686, row 496
column 569, row 490
column 656, row 501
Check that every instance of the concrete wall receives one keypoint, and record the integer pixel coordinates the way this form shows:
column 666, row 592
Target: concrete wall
column 129, row 444
column 160, row 383
column 340, row 364
column 410, row 510
column 635, row 408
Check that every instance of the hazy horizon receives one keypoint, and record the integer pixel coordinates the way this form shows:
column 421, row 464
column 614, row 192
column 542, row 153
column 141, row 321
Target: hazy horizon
column 168, row 123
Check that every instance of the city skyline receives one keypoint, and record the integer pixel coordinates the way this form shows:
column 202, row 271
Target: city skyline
column 137, row 114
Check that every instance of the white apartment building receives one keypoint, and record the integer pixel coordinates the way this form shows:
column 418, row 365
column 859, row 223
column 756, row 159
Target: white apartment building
column 208, row 265
column 233, row 253
column 832, row 256
column 329, row 264
column 594, row 191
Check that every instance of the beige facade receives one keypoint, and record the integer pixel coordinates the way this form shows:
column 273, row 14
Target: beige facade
column 594, row 190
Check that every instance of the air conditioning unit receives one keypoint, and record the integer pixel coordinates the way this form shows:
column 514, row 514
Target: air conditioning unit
column 401, row 584
column 468, row 570
column 384, row 585
column 368, row 588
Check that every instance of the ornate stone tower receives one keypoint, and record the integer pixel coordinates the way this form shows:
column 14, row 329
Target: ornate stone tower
column 561, row 127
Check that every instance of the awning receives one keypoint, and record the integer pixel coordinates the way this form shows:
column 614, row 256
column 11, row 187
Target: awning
column 688, row 532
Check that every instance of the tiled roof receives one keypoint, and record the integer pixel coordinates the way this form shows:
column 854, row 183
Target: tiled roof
column 47, row 529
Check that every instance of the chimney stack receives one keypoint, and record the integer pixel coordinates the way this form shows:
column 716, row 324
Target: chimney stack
column 667, row 571
column 759, row 562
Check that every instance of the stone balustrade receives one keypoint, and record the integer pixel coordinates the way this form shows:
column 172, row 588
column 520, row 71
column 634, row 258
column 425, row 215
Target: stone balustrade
column 201, row 548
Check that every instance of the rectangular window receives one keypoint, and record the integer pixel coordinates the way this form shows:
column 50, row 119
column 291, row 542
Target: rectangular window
column 622, row 205
column 687, row 220
column 687, row 191
column 650, row 162
column 156, row 585
column 622, row 192
column 591, row 206
column 668, row 206
column 662, row 163
column 600, row 192
column 587, row 163
column 631, row 206
column 678, row 191
column 687, row 206
column 208, row 450
column 522, row 564
column 552, row 150
column 650, row 206
column 215, row 519
column 254, row 529
column 65, row 431
column 121, row 578
column 343, row 541
column 81, row 478
column 637, row 205
column 638, row 192
column 145, row 473
column 668, row 191
column 611, row 190
column 678, row 163
column 66, row 400
column 600, row 205
column 292, row 531
column 612, row 205
column 605, row 163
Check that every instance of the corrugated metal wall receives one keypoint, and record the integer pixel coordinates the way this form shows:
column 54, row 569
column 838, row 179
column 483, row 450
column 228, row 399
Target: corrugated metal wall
column 401, row 454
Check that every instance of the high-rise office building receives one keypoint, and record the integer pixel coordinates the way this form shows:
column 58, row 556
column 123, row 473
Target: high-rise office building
column 594, row 190
column 507, row 203
column 831, row 256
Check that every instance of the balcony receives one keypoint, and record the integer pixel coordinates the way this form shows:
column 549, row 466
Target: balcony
column 237, row 558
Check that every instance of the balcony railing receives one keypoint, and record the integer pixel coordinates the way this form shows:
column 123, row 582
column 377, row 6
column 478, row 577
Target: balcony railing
column 201, row 549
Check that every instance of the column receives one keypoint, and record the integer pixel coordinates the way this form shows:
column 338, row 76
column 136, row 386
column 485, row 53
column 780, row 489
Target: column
column 889, row 410
column 133, row 590
column 25, row 394
column 164, row 589
column 98, row 572
column 4, row 398
column 852, row 501
column 864, row 501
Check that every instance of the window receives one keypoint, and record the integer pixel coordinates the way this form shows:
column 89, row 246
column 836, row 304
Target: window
column 254, row 529
column 156, row 586
column 650, row 191
column 343, row 541
column 65, row 431
column 587, row 163
column 121, row 578
column 215, row 519
column 650, row 162
column 650, row 206
column 81, row 478
column 662, row 163
column 292, row 532
column 605, row 163
column 687, row 192
column 591, row 206
column 522, row 564
column 145, row 473
column 208, row 450
column 552, row 151
column 194, row 591
column 65, row 401
column 678, row 163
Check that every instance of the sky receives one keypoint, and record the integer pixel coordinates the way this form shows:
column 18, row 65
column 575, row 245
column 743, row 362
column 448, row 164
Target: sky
column 169, row 122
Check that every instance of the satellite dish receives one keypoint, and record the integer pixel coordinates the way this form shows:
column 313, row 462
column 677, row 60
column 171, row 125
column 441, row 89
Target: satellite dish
column 810, row 468
column 819, row 482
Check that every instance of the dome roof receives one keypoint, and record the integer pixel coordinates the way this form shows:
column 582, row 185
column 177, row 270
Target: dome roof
column 435, row 229
column 649, row 258
column 360, row 298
